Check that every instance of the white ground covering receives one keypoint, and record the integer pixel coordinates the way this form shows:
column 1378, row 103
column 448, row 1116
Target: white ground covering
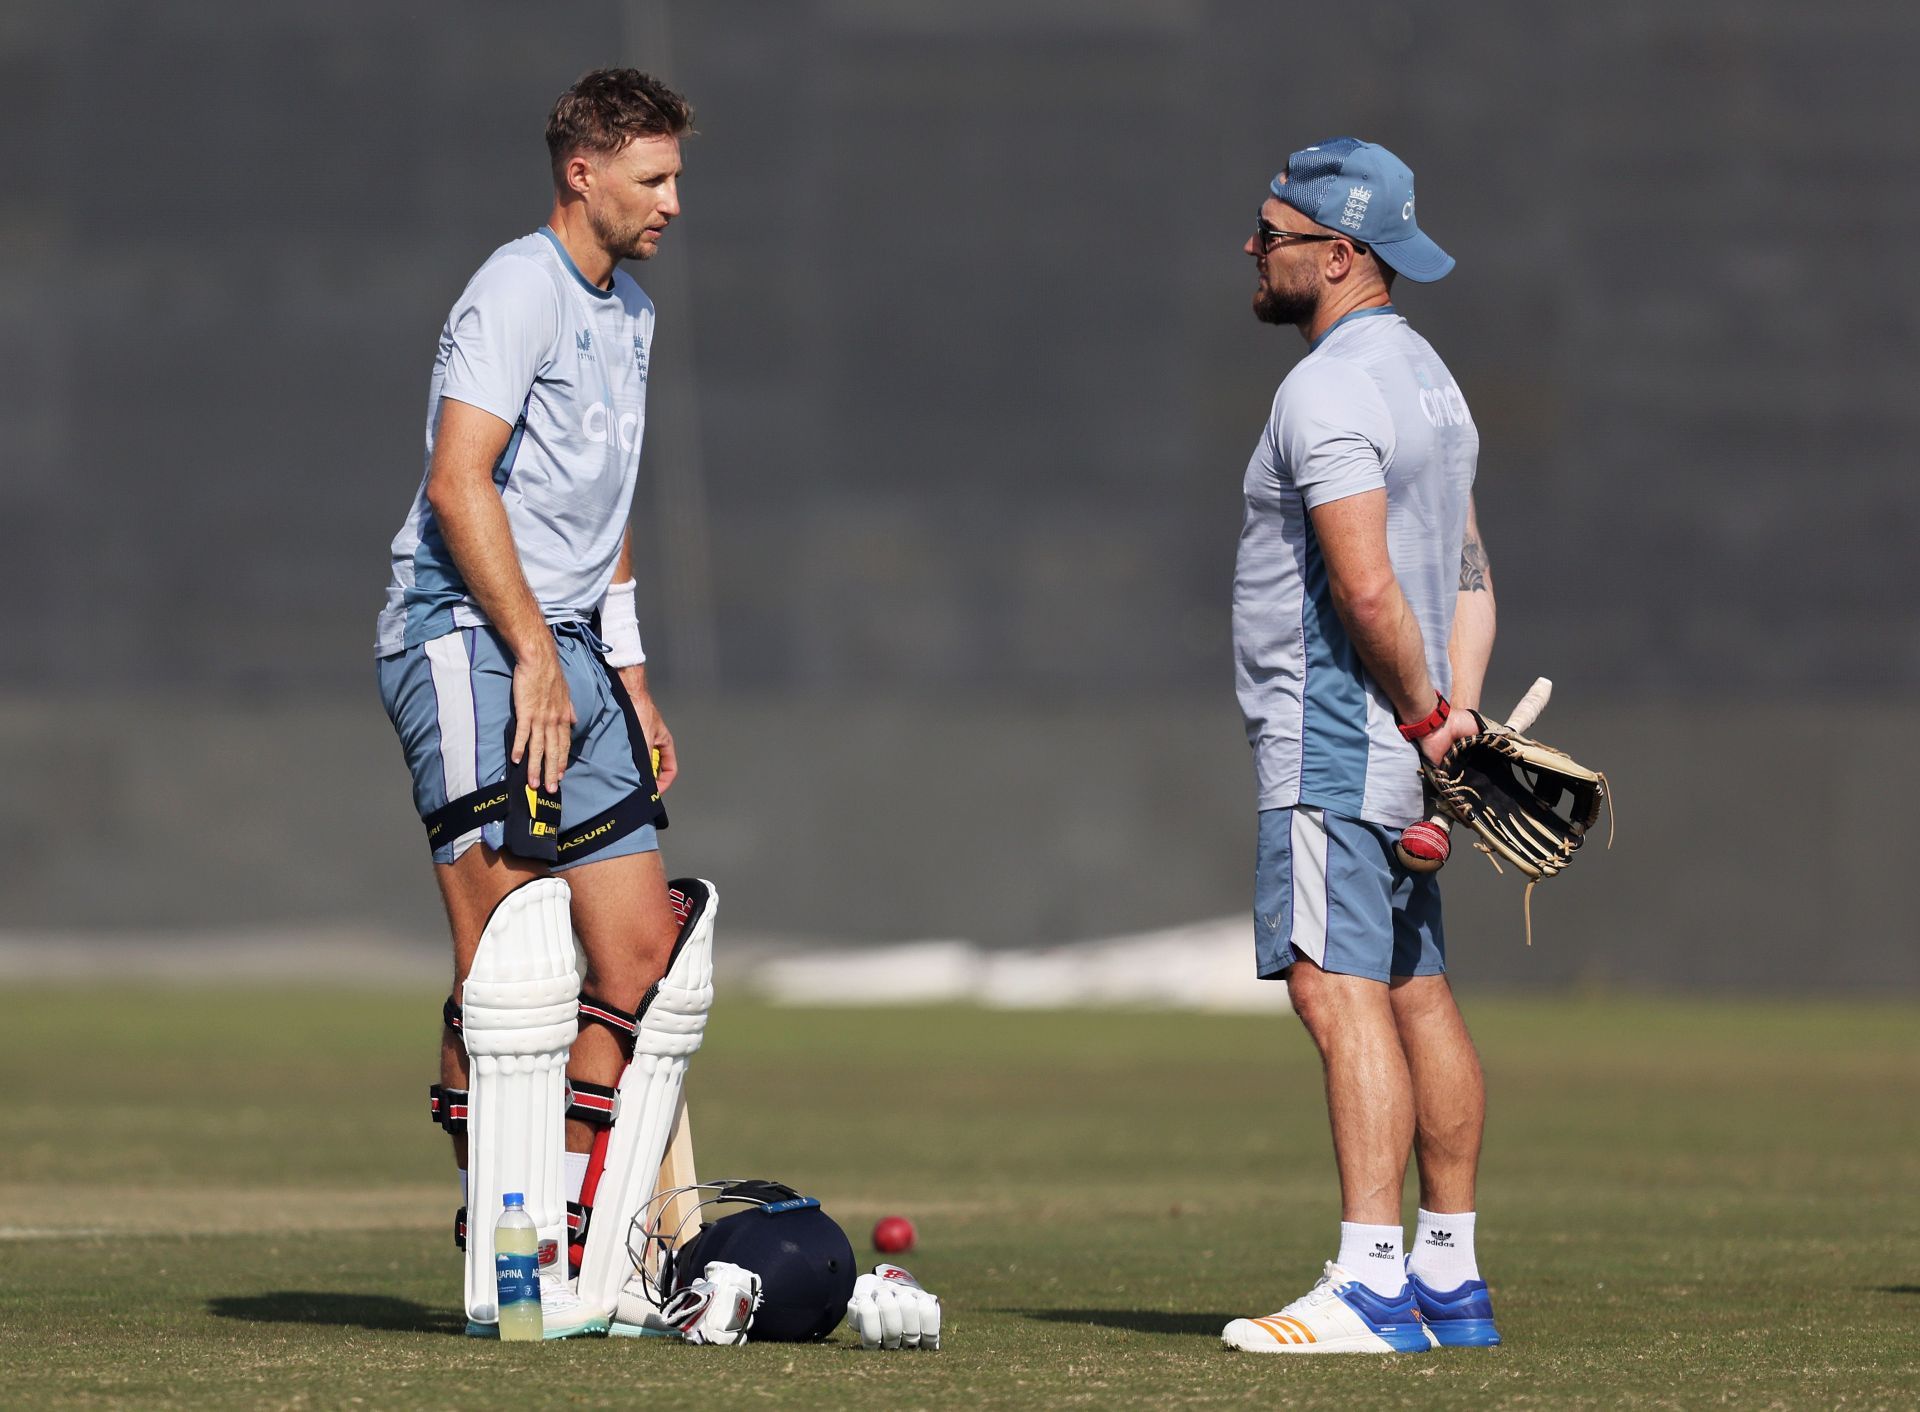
column 1202, row 966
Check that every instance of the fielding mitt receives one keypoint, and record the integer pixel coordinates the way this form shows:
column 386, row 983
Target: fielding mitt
column 1527, row 802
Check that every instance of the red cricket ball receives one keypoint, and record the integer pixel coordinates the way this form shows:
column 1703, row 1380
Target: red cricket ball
column 1423, row 847
column 893, row 1235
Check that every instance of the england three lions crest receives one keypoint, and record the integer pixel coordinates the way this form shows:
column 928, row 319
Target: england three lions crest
column 1356, row 209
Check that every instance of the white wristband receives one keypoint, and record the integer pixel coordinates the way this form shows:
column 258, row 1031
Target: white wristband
column 620, row 626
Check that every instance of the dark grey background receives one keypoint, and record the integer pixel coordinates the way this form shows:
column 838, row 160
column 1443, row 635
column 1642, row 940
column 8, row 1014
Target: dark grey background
column 955, row 384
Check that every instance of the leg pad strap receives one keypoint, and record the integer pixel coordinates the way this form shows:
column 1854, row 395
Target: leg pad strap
column 590, row 1103
column 448, row 1107
column 594, row 1011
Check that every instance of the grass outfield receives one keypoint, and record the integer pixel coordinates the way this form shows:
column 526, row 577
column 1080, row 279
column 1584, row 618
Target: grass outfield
column 234, row 1200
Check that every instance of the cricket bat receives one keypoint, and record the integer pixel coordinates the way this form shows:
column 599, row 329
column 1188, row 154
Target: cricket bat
column 676, row 1166
column 676, row 1170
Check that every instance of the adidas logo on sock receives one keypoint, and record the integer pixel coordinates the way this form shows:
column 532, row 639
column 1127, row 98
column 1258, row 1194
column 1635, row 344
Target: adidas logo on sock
column 1440, row 1238
column 1383, row 1250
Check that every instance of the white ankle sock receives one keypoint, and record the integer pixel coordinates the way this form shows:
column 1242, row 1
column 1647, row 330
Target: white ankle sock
column 1442, row 1253
column 1371, row 1254
column 574, row 1171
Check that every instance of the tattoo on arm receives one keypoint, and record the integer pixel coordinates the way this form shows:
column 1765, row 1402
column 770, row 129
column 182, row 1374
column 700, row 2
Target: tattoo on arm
column 1473, row 566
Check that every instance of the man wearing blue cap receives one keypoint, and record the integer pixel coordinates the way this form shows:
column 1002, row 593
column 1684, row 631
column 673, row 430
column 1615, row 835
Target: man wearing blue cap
column 1362, row 604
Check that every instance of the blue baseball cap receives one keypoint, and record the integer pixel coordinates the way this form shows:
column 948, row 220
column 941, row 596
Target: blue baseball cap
column 1362, row 190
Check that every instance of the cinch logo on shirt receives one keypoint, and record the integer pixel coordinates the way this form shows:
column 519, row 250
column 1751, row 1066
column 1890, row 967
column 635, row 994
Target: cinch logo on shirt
column 1444, row 406
column 583, row 341
column 640, row 356
column 595, row 422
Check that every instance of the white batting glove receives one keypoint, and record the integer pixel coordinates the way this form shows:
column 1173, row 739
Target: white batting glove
column 717, row 1308
column 890, row 1310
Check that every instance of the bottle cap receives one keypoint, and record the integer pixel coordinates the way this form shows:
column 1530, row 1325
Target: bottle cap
column 514, row 1198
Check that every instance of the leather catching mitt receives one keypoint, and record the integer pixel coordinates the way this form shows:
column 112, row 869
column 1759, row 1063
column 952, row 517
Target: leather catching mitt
column 1525, row 801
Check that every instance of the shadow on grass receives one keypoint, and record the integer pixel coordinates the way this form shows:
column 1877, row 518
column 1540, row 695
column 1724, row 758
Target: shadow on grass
column 1896, row 1289
column 1145, row 1321
column 380, row 1312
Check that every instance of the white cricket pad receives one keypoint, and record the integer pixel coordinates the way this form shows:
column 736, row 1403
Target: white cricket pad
column 672, row 1024
column 519, row 1014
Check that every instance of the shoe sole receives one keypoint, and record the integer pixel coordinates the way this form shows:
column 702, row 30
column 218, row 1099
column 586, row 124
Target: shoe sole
column 1335, row 1345
column 619, row 1330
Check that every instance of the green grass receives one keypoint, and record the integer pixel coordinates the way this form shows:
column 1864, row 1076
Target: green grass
column 1683, row 1205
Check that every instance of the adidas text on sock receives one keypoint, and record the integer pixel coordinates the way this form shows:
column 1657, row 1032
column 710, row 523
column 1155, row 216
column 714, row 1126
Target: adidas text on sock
column 1371, row 1254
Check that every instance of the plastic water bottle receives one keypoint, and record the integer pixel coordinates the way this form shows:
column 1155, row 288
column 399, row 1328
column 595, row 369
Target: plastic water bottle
column 517, row 1270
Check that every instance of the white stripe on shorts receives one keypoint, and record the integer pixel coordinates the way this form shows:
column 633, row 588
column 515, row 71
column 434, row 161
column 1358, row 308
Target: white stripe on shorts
column 1309, row 873
column 453, row 691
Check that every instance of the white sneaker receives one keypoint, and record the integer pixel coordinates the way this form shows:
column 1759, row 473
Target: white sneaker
column 1338, row 1315
column 563, row 1314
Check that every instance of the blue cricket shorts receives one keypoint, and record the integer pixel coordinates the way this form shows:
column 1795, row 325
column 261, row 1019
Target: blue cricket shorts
column 1329, row 889
column 451, row 701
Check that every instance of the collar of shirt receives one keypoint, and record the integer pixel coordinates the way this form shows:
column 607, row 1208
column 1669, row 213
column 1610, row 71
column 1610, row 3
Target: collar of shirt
column 1349, row 318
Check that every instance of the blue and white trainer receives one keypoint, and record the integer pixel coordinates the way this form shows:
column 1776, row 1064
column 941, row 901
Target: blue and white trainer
column 1459, row 1318
column 1338, row 1315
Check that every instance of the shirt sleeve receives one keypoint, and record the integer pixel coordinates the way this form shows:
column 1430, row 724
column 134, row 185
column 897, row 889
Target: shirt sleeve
column 499, row 336
column 1332, row 431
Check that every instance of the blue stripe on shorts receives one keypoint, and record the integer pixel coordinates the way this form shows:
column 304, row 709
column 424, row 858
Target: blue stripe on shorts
column 1328, row 889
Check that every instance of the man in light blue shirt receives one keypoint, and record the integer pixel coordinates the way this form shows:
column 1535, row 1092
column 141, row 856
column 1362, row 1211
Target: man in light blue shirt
column 510, row 660
column 1360, row 606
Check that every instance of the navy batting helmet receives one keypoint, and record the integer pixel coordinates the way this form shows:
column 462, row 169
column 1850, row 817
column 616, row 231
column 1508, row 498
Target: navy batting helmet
column 803, row 1259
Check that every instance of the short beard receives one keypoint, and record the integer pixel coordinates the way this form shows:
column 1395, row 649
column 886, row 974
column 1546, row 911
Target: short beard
column 1285, row 306
column 621, row 244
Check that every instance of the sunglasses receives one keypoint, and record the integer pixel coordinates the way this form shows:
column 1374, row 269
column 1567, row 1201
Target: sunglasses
column 1270, row 235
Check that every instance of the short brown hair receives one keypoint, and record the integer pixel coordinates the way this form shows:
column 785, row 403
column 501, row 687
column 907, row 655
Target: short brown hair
column 607, row 109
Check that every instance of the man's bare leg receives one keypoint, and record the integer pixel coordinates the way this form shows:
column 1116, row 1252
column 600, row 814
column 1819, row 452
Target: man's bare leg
column 627, row 928
column 1450, row 1107
column 1449, row 1093
column 625, row 925
column 1369, row 1088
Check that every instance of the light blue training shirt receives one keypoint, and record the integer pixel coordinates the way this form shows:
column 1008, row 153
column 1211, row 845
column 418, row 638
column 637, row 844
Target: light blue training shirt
column 565, row 363
column 1370, row 406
